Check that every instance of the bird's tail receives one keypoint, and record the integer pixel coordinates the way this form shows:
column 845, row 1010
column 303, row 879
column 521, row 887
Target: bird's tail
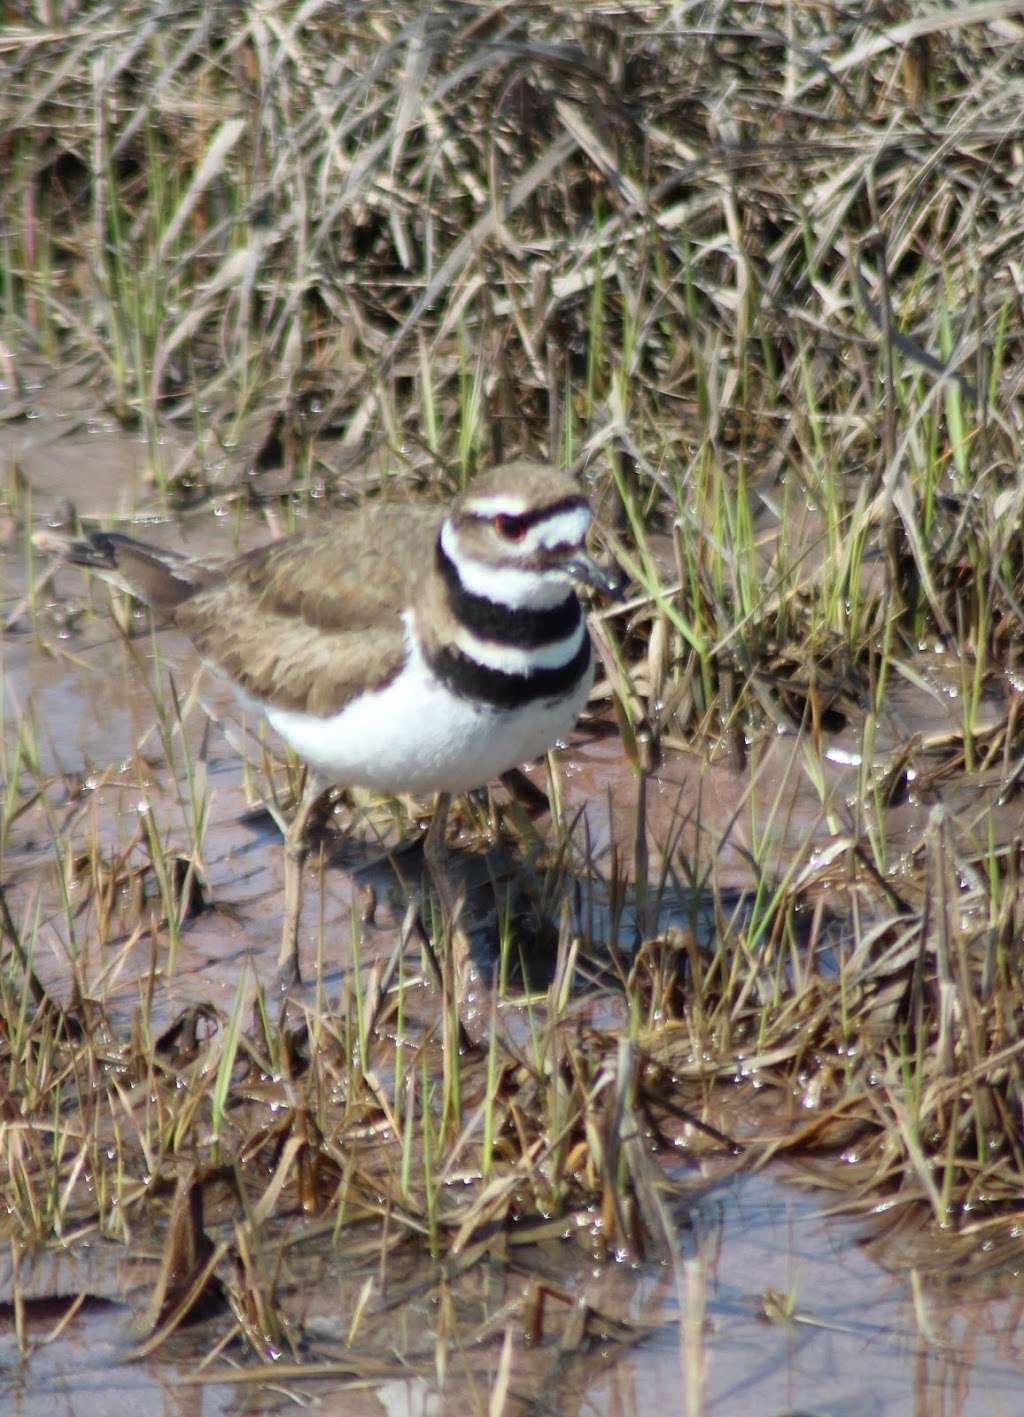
column 161, row 579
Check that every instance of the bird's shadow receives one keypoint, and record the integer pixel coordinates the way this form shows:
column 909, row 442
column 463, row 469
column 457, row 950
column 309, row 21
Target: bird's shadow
column 504, row 909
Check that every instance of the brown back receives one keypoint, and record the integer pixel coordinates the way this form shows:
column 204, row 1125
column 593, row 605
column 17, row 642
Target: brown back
column 288, row 621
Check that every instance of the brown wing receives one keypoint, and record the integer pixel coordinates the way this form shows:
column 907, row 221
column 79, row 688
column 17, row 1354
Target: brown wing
column 311, row 621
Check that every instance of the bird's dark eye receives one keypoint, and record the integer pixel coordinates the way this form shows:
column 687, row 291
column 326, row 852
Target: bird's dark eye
column 510, row 528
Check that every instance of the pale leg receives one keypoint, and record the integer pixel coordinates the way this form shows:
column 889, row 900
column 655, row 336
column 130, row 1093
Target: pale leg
column 435, row 856
column 457, row 947
column 435, row 849
column 296, row 852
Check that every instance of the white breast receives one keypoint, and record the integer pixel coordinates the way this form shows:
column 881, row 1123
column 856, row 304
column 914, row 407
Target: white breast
column 415, row 736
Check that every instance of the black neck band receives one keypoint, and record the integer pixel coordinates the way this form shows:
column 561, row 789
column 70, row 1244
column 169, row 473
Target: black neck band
column 521, row 628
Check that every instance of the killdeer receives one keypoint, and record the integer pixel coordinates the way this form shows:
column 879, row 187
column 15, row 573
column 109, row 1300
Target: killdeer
column 399, row 647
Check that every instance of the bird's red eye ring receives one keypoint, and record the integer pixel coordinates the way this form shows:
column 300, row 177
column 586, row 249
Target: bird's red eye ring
column 508, row 527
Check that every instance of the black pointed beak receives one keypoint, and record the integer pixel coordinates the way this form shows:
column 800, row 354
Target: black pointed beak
column 584, row 568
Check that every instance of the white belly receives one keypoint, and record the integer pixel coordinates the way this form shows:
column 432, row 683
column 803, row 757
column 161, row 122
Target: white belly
column 414, row 736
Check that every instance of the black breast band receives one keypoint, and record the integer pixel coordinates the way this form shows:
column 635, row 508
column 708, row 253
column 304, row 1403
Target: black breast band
column 480, row 683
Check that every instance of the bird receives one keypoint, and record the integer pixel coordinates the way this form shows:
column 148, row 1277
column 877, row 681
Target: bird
column 405, row 647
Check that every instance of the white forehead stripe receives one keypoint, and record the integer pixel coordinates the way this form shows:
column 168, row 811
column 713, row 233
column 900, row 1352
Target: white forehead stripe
column 563, row 529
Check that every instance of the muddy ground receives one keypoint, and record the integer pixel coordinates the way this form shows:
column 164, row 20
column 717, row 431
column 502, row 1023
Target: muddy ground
column 801, row 1313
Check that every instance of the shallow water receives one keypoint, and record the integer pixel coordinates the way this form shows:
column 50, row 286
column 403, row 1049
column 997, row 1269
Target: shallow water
column 857, row 1342
column 854, row 1344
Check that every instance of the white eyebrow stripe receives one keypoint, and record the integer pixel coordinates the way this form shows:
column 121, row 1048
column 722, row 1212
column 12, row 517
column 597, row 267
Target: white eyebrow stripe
column 563, row 529
column 503, row 504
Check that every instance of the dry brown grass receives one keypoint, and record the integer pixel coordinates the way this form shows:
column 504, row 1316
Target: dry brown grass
column 757, row 270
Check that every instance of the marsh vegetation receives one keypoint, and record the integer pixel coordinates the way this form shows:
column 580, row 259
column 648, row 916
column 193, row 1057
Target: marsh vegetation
column 755, row 272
